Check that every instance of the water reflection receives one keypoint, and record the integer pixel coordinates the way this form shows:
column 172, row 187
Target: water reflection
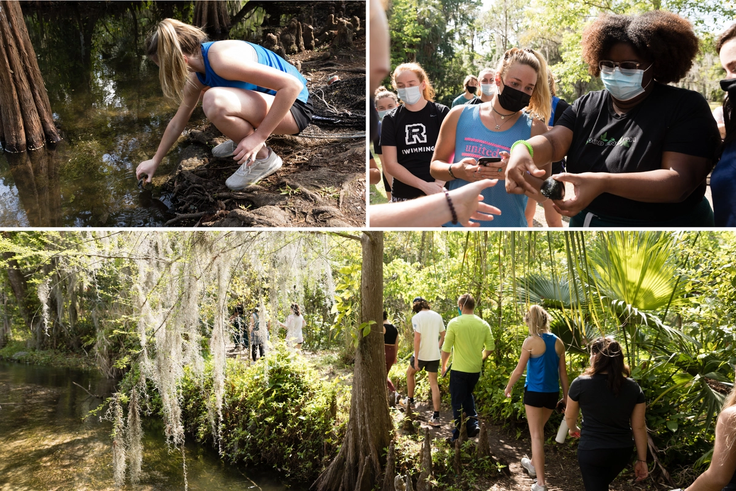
column 106, row 98
column 47, row 443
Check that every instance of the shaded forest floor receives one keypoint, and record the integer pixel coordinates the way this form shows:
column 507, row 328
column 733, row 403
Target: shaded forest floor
column 322, row 180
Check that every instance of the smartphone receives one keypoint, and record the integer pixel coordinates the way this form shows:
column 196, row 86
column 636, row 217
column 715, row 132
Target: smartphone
column 486, row 161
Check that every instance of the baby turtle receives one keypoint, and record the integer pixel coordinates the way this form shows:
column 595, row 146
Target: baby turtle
column 553, row 189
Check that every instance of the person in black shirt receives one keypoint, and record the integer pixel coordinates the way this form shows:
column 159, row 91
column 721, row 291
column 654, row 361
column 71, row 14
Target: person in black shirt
column 613, row 407
column 638, row 153
column 409, row 134
column 391, row 344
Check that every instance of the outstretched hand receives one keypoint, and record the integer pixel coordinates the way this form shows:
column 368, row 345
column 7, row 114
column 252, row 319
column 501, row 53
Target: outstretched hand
column 586, row 187
column 469, row 205
column 519, row 165
column 146, row 170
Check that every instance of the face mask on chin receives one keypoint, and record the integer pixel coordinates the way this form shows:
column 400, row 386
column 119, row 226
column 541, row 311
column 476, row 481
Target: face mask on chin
column 410, row 95
column 728, row 85
column 471, row 89
column 512, row 99
column 488, row 89
column 624, row 87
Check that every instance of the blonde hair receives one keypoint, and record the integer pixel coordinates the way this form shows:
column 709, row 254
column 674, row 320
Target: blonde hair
column 540, row 104
column 730, row 398
column 537, row 319
column 382, row 92
column 428, row 92
column 169, row 43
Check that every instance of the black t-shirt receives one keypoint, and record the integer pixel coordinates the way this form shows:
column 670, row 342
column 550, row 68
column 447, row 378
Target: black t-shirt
column 670, row 119
column 389, row 337
column 414, row 135
column 605, row 415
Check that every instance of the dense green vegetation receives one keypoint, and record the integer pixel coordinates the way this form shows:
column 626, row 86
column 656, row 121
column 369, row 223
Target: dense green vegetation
column 124, row 298
column 454, row 38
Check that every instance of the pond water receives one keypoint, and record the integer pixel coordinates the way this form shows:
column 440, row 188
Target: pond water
column 106, row 98
column 46, row 442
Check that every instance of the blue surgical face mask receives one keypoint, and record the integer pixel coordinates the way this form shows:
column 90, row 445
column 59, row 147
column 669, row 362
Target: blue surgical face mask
column 488, row 89
column 410, row 95
column 624, row 87
column 381, row 114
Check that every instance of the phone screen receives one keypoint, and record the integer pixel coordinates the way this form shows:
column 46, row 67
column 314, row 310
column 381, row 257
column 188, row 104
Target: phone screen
column 486, row 161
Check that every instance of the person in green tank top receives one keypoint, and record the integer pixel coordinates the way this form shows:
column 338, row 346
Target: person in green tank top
column 470, row 339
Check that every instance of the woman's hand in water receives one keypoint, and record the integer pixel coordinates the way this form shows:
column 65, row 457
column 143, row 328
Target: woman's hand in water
column 248, row 148
column 146, row 168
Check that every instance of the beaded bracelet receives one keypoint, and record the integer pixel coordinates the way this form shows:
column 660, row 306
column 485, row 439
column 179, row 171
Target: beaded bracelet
column 449, row 169
column 526, row 144
column 452, row 208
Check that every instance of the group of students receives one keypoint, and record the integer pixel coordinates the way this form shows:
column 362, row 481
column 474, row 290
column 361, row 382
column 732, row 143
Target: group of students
column 613, row 406
column 636, row 154
column 254, row 337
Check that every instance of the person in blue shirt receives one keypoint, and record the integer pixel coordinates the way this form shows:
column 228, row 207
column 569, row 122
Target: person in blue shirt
column 247, row 91
column 723, row 178
column 543, row 356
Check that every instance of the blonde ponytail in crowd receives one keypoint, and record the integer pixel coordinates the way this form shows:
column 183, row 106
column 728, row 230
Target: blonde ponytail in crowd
column 540, row 105
column 169, row 43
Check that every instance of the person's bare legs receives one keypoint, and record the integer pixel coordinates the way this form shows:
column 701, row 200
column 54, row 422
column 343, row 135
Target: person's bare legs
column 531, row 209
column 537, row 417
column 238, row 112
column 552, row 218
column 410, row 381
column 435, row 386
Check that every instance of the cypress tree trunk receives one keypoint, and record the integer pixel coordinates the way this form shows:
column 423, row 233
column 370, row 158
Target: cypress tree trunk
column 359, row 465
column 25, row 112
column 212, row 18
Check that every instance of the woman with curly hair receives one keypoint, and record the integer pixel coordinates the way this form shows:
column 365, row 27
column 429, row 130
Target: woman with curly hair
column 724, row 175
column 614, row 422
column 543, row 356
column 638, row 152
column 519, row 110
column 409, row 134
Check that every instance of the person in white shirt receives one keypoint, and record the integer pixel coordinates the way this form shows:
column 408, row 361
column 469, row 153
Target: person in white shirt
column 293, row 325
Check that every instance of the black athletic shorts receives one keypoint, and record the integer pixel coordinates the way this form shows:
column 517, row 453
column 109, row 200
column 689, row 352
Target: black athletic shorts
column 540, row 399
column 431, row 366
column 302, row 113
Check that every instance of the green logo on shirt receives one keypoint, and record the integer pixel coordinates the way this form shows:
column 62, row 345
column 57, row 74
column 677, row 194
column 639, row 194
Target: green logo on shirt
column 604, row 141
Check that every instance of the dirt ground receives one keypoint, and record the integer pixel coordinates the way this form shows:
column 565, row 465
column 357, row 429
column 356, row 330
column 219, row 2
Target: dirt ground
column 322, row 181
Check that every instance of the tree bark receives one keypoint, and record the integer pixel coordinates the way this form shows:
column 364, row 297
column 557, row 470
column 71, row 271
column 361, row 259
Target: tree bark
column 212, row 18
column 358, row 466
column 25, row 110
column 18, row 285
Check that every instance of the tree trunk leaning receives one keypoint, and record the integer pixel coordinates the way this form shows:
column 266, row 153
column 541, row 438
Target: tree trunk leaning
column 358, row 465
column 25, row 111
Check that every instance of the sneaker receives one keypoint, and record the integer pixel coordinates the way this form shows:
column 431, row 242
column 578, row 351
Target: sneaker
column 260, row 169
column 526, row 463
column 474, row 432
column 435, row 421
column 537, row 487
column 225, row 149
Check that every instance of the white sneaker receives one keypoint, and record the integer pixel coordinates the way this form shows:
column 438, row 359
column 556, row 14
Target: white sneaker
column 435, row 421
column 526, row 463
column 537, row 487
column 260, row 169
column 225, row 149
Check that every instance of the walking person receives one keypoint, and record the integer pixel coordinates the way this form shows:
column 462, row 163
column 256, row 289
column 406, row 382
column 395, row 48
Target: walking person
column 429, row 333
column 468, row 96
column 293, row 325
column 257, row 337
column 614, row 422
column 391, row 346
column 487, row 81
column 543, row 356
column 470, row 340
column 239, row 330
column 248, row 93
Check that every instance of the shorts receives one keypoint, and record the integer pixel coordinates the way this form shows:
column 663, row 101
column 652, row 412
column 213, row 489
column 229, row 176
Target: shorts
column 302, row 113
column 540, row 399
column 431, row 366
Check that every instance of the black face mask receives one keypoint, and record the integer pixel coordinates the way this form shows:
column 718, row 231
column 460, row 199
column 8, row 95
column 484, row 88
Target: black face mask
column 729, row 85
column 513, row 100
column 471, row 88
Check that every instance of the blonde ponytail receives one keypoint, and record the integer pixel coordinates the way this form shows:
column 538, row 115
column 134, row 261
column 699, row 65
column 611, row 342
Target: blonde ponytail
column 169, row 43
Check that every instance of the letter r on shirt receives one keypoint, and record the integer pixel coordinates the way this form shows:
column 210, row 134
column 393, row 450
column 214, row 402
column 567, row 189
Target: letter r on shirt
column 416, row 133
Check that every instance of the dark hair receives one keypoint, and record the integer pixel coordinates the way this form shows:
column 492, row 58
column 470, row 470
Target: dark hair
column 295, row 309
column 729, row 118
column 665, row 38
column 467, row 301
column 610, row 359
column 385, row 315
column 419, row 305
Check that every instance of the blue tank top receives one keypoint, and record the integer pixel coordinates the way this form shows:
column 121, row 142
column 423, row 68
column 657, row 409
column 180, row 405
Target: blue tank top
column 265, row 57
column 542, row 372
column 473, row 139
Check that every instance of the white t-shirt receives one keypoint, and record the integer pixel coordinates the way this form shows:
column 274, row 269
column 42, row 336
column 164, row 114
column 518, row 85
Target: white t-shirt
column 429, row 324
column 294, row 326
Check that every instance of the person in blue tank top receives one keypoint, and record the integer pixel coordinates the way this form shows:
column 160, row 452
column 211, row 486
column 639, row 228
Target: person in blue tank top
column 248, row 93
column 490, row 129
column 543, row 356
